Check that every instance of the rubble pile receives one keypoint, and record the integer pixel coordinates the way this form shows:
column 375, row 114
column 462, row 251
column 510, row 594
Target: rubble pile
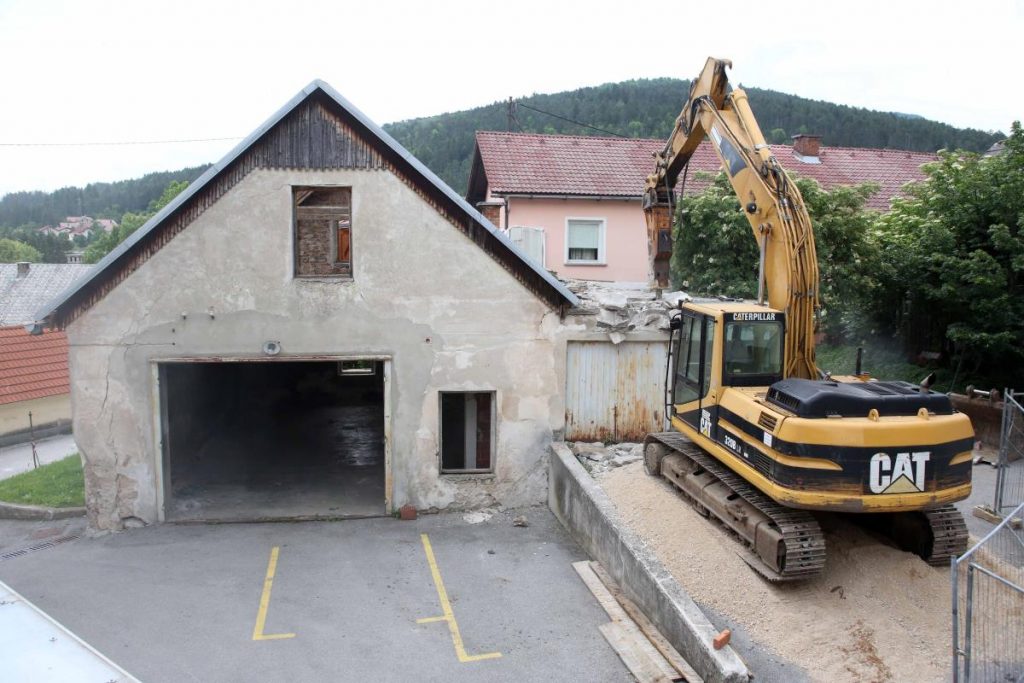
column 620, row 309
column 598, row 458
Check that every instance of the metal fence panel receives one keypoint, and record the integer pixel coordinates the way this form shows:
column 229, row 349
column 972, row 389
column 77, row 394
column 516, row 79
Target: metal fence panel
column 1010, row 467
column 614, row 392
column 988, row 606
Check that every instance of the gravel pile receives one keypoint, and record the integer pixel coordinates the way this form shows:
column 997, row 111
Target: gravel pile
column 875, row 614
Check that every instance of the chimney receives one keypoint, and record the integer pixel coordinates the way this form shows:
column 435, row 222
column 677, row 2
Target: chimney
column 807, row 145
column 491, row 211
column 23, row 267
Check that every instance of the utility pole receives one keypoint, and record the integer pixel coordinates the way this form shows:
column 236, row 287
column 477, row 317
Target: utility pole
column 511, row 114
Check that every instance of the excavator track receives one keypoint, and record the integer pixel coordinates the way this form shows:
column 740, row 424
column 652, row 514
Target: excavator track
column 949, row 534
column 799, row 553
column 934, row 535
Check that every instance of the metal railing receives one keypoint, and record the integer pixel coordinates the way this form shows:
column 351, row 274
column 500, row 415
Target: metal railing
column 1009, row 477
column 988, row 606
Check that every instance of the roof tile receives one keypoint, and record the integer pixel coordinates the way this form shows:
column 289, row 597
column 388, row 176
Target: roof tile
column 527, row 163
column 32, row 366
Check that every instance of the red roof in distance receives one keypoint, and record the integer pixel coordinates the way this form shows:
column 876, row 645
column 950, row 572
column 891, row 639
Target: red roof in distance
column 570, row 165
column 32, row 366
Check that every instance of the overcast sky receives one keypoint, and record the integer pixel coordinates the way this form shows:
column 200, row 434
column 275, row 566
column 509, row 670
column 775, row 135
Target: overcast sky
column 134, row 70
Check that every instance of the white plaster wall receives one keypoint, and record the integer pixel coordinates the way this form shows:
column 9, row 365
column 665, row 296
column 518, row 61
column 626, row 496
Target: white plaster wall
column 449, row 316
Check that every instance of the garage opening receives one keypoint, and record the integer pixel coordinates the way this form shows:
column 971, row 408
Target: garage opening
column 273, row 440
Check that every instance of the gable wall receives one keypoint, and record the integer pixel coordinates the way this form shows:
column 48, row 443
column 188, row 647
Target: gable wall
column 423, row 293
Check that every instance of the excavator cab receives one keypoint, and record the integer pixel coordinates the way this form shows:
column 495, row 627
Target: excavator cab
column 723, row 344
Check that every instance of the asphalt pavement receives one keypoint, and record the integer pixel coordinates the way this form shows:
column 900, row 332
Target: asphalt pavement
column 436, row 599
column 18, row 458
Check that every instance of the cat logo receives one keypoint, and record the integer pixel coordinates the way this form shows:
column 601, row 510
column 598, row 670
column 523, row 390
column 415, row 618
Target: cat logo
column 705, row 423
column 903, row 474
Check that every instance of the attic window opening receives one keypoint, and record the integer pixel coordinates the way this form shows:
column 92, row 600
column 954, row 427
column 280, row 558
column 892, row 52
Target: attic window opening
column 323, row 232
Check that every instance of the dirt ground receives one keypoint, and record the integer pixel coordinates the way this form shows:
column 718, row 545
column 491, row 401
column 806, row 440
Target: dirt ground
column 875, row 614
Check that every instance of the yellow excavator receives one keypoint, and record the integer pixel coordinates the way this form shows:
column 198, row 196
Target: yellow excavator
column 761, row 438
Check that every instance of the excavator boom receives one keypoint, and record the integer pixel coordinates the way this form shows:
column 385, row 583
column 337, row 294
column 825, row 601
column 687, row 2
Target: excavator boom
column 788, row 278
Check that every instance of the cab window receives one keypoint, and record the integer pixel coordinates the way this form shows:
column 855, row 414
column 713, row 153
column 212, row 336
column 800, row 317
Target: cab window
column 753, row 352
column 693, row 359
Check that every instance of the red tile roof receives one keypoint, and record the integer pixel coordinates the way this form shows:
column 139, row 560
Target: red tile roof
column 525, row 163
column 32, row 366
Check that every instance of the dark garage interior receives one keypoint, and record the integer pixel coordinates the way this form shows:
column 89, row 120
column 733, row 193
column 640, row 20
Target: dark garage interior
column 273, row 440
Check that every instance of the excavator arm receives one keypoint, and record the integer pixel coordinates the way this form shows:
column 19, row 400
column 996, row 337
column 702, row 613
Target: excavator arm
column 788, row 273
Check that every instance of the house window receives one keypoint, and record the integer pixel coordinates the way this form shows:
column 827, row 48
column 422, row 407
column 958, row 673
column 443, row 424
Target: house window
column 323, row 231
column 584, row 241
column 467, row 431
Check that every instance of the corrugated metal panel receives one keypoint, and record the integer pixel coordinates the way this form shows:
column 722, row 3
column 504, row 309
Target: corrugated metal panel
column 614, row 392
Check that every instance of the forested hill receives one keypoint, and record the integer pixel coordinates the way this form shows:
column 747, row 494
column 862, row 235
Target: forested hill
column 638, row 108
column 648, row 108
column 99, row 200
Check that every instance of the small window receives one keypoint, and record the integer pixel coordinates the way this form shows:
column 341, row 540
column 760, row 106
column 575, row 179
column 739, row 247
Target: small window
column 323, row 231
column 357, row 367
column 584, row 241
column 467, row 431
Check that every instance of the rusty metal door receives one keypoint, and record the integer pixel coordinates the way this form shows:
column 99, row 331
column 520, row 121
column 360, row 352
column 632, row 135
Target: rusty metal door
column 614, row 392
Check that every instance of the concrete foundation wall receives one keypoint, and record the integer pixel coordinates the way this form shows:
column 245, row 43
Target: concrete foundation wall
column 591, row 518
column 447, row 315
column 50, row 415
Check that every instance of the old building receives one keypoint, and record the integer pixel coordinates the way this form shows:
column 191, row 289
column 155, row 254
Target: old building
column 316, row 327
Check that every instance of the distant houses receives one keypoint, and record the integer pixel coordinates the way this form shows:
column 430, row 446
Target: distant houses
column 75, row 226
column 35, row 399
column 572, row 204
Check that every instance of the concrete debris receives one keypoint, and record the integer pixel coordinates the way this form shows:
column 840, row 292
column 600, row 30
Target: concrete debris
column 619, row 308
column 584, row 448
column 520, row 521
column 478, row 516
column 616, row 337
column 599, row 458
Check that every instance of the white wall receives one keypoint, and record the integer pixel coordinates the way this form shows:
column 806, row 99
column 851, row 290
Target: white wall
column 449, row 316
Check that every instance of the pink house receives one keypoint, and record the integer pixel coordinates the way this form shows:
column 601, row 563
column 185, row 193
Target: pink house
column 573, row 203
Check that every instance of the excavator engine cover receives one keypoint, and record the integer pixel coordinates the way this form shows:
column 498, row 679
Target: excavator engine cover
column 816, row 398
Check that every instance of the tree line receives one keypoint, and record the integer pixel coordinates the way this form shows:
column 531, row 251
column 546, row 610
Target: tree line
column 941, row 273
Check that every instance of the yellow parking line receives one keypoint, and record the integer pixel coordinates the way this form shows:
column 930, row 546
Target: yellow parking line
column 446, row 609
column 261, row 615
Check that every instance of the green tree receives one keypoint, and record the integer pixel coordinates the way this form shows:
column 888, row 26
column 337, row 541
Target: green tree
column 953, row 261
column 130, row 222
column 13, row 251
column 715, row 253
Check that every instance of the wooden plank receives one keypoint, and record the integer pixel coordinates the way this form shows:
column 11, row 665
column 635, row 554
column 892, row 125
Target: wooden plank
column 638, row 663
column 665, row 648
column 638, row 642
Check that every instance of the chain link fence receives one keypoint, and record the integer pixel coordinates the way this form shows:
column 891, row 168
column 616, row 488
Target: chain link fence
column 1010, row 467
column 988, row 606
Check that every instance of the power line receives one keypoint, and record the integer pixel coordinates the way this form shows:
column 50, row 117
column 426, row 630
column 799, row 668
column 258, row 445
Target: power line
column 578, row 123
column 112, row 144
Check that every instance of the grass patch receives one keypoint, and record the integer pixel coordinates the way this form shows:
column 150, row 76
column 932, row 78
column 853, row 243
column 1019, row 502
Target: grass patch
column 59, row 485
